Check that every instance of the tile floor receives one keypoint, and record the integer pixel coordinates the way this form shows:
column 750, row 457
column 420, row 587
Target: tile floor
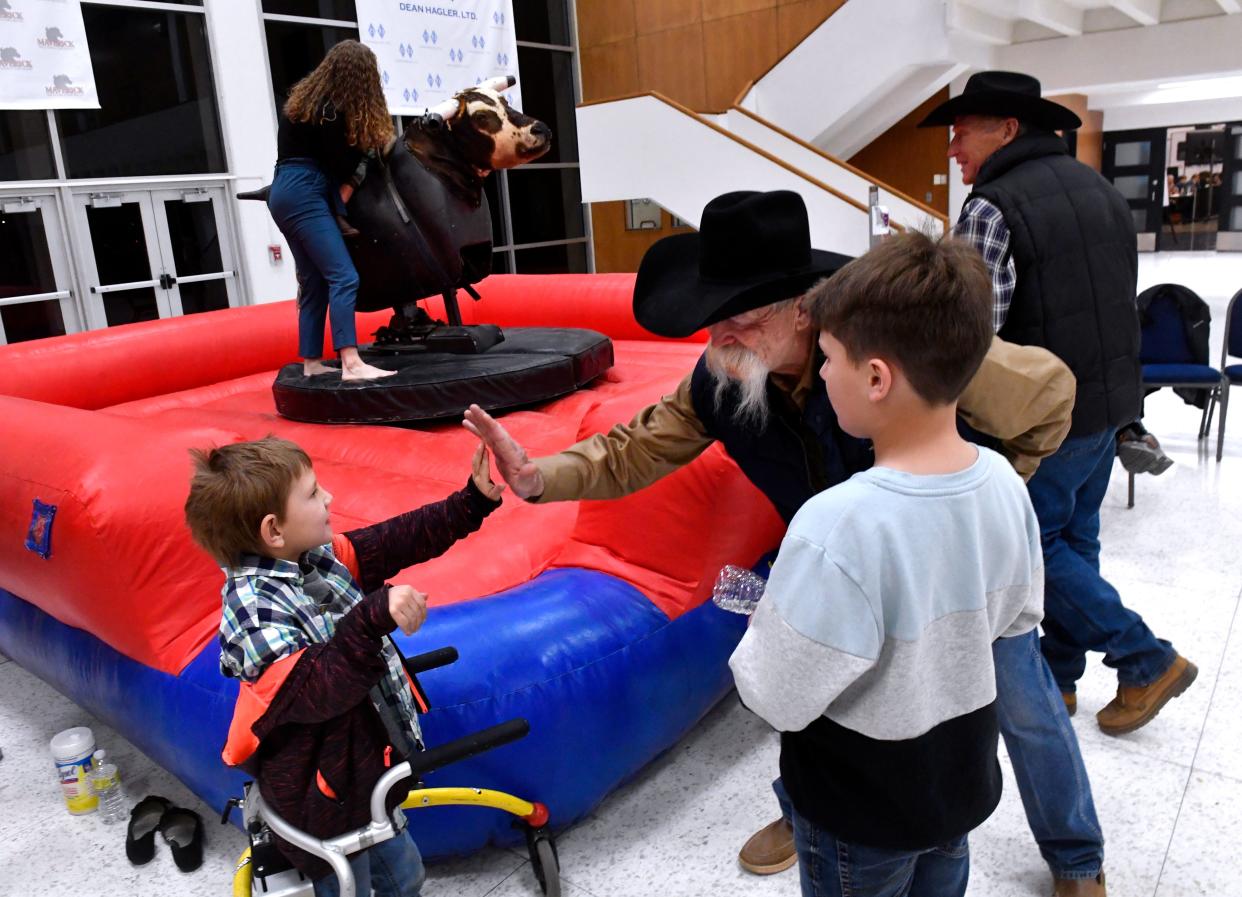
column 1169, row 796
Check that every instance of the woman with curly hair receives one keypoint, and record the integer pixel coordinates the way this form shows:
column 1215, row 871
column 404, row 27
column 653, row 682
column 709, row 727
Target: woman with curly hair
column 334, row 120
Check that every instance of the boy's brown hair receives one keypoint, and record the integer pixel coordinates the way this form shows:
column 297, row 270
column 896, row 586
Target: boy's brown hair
column 924, row 305
column 234, row 487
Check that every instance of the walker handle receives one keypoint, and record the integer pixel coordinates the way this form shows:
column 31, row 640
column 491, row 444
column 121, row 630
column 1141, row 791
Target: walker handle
column 468, row 745
column 421, row 663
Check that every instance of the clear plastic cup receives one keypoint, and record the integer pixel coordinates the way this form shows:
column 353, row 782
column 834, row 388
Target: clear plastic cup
column 738, row 589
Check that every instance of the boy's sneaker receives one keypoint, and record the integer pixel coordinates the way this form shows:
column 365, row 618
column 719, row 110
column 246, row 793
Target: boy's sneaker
column 1141, row 453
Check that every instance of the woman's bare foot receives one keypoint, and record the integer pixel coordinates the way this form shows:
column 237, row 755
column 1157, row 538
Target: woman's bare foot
column 314, row 366
column 363, row 371
column 354, row 368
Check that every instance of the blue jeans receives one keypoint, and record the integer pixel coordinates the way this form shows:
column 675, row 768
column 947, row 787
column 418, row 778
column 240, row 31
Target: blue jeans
column 1082, row 612
column 303, row 204
column 1047, row 763
column 394, row 868
column 830, row 867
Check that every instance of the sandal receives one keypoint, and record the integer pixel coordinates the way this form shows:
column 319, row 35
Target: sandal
column 183, row 832
column 144, row 819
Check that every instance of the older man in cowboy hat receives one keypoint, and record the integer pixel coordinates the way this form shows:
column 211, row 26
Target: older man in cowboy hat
column 757, row 390
column 1059, row 240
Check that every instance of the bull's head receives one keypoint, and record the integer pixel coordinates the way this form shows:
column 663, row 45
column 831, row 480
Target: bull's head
column 481, row 129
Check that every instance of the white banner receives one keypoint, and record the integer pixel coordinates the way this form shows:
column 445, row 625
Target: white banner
column 44, row 60
column 429, row 51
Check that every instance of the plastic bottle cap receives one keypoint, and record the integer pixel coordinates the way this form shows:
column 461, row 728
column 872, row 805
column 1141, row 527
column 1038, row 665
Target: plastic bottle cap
column 99, row 755
column 73, row 743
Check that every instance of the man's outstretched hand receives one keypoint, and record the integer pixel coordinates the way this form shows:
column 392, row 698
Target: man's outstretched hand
column 511, row 459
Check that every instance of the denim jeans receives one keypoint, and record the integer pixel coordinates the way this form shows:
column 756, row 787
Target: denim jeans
column 394, row 868
column 303, row 204
column 1082, row 612
column 1047, row 763
column 830, row 867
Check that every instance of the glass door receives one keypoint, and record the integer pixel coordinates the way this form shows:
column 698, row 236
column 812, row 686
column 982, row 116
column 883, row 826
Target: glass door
column 198, row 263
column 155, row 254
column 123, row 266
column 35, row 295
column 1134, row 163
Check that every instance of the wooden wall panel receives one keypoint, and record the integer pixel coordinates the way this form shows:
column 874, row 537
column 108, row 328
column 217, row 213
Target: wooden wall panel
column 618, row 249
column 613, row 68
column 737, row 48
column 907, row 157
column 671, row 62
column 795, row 20
column 722, row 9
column 660, row 15
column 605, row 22
column 1091, row 135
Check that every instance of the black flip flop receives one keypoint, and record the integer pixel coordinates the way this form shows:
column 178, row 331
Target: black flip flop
column 144, row 819
column 183, row 831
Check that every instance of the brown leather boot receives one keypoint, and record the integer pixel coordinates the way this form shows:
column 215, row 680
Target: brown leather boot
column 769, row 850
column 1080, row 887
column 1071, row 702
column 1134, row 707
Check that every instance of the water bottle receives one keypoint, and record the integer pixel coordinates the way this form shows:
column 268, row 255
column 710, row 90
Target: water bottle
column 738, row 589
column 106, row 783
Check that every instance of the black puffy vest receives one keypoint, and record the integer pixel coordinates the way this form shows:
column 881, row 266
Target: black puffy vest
column 1072, row 240
column 798, row 453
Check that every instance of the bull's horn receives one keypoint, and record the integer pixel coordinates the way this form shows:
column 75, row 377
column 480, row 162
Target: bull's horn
column 502, row 82
column 445, row 109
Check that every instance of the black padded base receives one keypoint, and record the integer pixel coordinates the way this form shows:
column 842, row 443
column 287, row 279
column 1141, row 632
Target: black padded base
column 532, row 364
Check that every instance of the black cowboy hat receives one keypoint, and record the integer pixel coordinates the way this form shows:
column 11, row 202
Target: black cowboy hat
column 1010, row 94
column 752, row 249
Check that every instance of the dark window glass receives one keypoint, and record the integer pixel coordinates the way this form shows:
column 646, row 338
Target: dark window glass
column 32, row 320
column 119, row 242
column 295, row 50
column 491, row 187
column 25, row 264
column 195, row 242
column 341, row 10
column 158, row 112
column 25, row 147
column 567, row 258
column 543, row 23
column 546, row 203
column 500, row 263
column 206, row 295
column 546, row 79
column 130, row 306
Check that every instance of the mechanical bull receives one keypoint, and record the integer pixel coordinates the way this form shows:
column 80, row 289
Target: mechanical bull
column 423, row 219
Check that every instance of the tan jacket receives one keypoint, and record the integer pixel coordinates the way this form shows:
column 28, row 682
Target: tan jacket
column 1022, row 395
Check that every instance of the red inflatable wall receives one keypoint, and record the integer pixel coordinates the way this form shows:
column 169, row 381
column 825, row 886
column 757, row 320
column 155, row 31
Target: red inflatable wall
column 99, row 424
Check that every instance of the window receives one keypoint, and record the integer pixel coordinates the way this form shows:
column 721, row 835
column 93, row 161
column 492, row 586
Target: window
column 539, row 203
column 25, row 147
column 294, row 49
column 158, row 113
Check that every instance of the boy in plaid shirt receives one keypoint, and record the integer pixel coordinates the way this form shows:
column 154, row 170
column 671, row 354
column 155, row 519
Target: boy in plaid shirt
column 325, row 706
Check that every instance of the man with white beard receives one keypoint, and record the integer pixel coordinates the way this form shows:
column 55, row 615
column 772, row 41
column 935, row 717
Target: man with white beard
column 757, row 390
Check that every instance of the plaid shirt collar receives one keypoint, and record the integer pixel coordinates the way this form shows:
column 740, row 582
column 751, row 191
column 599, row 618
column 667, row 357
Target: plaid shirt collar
column 320, row 558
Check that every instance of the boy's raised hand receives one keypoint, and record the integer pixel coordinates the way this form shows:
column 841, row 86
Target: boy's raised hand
column 511, row 459
column 408, row 608
column 482, row 474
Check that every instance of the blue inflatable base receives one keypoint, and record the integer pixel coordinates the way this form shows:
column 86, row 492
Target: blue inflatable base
column 607, row 681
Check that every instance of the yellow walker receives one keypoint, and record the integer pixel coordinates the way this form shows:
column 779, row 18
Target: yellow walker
column 262, row 871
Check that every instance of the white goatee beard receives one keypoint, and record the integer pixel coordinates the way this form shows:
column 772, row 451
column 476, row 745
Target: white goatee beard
column 736, row 368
